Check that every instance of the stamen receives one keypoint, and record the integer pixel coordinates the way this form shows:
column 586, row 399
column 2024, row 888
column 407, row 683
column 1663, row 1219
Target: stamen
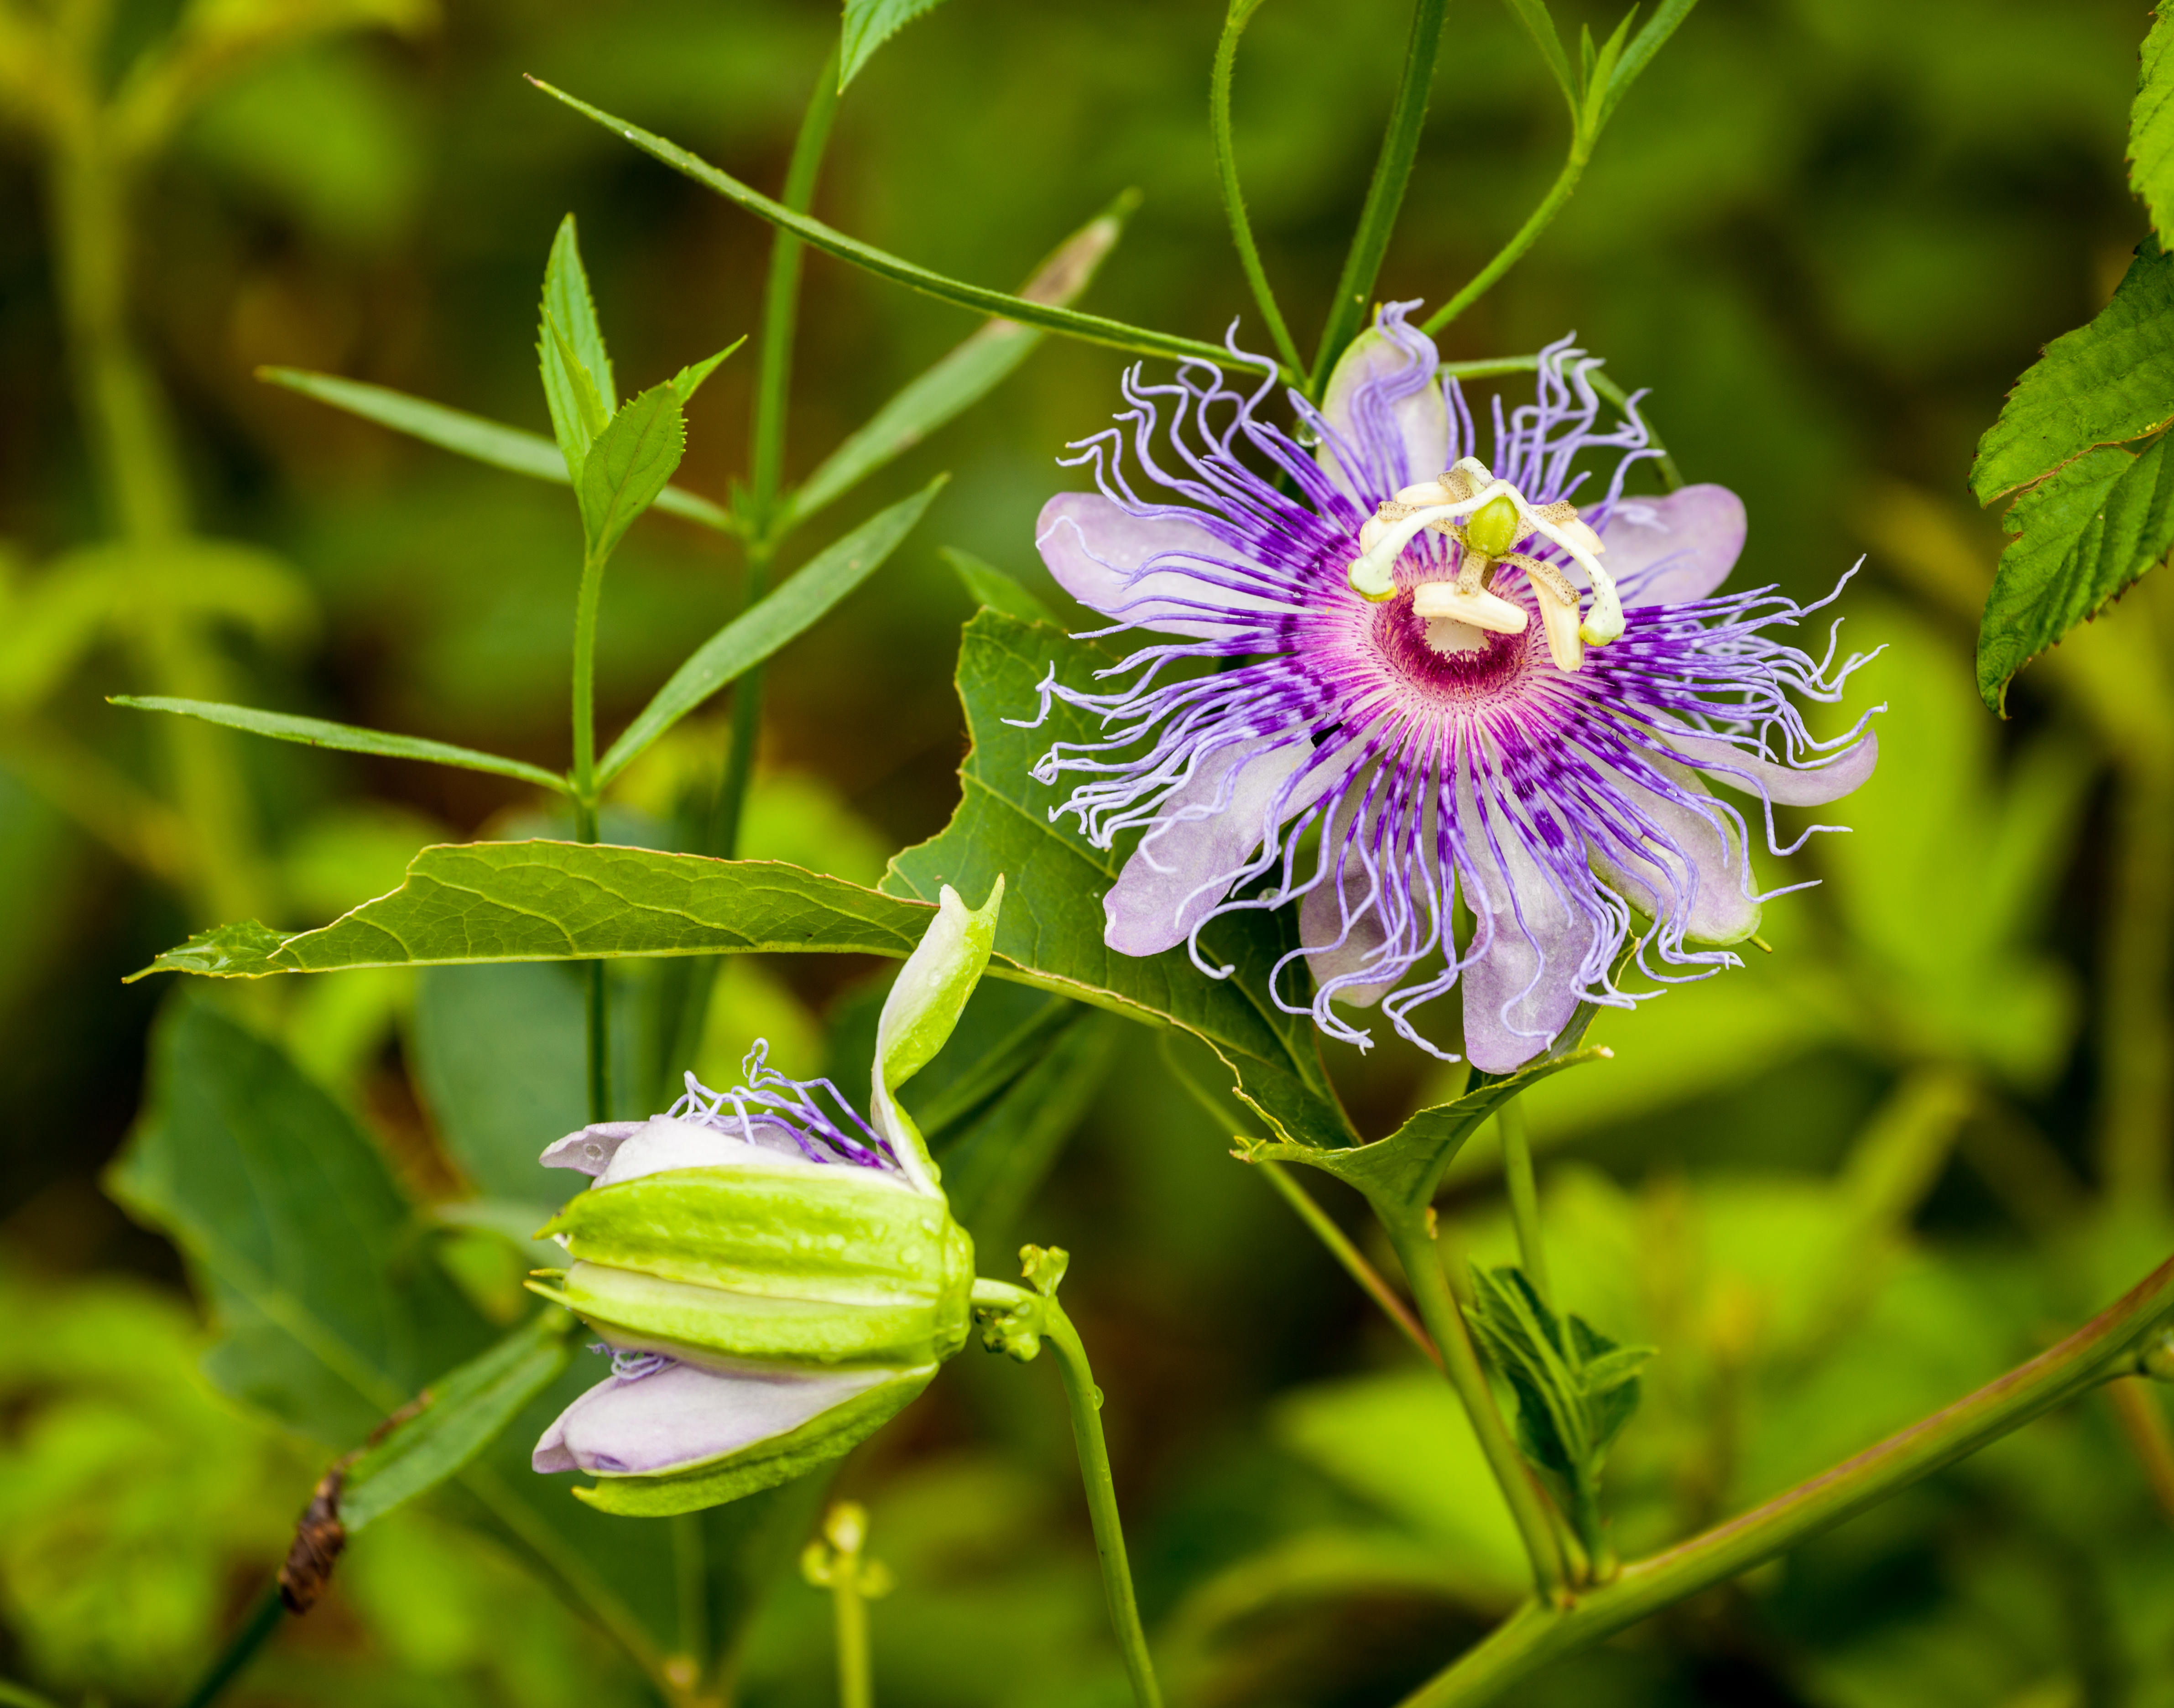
column 1558, row 603
column 1481, row 609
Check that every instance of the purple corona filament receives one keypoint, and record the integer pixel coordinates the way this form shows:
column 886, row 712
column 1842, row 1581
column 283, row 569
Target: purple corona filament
column 1305, row 734
column 798, row 1105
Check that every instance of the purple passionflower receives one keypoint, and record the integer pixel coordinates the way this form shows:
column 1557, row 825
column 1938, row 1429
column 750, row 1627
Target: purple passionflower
column 1405, row 685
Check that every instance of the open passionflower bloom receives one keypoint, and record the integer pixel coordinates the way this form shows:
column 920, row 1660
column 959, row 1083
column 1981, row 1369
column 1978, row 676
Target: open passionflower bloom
column 775, row 1276
column 1463, row 712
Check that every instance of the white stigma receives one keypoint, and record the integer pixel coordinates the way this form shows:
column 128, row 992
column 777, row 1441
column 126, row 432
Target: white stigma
column 1456, row 498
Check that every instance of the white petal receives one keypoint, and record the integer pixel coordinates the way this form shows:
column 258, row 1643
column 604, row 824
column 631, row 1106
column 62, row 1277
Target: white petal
column 1185, row 866
column 1673, row 550
column 590, row 1151
column 660, row 1143
column 1524, row 986
column 684, row 1415
column 1099, row 552
column 1701, row 884
column 1786, row 785
column 1410, row 433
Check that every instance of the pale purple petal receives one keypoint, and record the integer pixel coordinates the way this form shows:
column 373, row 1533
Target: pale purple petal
column 1099, row 553
column 590, row 1151
column 664, row 1143
column 1208, row 826
column 1695, row 873
column 1532, row 946
column 684, row 1415
column 1673, row 550
column 1384, row 407
column 1785, row 785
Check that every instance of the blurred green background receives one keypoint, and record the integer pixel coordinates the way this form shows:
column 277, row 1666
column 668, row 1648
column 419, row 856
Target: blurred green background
column 1838, row 1188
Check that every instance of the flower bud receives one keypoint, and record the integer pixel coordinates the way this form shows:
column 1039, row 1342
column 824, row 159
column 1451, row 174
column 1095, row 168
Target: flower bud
column 777, row 1276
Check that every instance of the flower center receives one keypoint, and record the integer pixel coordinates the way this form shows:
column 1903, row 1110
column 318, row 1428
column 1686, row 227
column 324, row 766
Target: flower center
column 1487, row 518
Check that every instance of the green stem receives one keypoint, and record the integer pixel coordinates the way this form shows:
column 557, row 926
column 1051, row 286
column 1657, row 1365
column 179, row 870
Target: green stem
column 781, row 306
column 1540, row 1632
column 1530, row 1508
column 690, row 1574
column 596, row 992
column 1524, row 1194
column 1385, row 195
column 240, row 1649
column 856, row 1676
column 1085, row 1401
column 1234, row 199
column 1341, row 1248
column 1528, row 233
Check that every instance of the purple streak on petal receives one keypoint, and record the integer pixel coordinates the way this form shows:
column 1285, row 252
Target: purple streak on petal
column 683, row 1415
column 590, row 1150
column 1675, row 550
column 1382, row 420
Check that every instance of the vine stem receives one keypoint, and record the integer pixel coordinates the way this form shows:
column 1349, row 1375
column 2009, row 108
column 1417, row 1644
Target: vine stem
column 1234, row 198
column 1538, row 1525
column 1524, row 1192
column 241, row 1650
column 596, row 992
column 1385, row 194
column 1528, row 233
column 1085, row 1401
column 1540, row 1632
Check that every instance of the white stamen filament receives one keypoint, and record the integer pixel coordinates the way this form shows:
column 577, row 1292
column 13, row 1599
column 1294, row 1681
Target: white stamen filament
column 1383, row 538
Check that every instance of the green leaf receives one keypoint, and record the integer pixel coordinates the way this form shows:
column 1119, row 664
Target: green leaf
column 2151, row 124
column 1635, row 58
column 1576, row 1388
column 1091, row 328
column 2108, row 383
column 497, row 1054
column 627, row 465
column 329, row 1313
column 868, row 24
column 1053, row 922
column 239, row 951
column 570, row 345
column 466, row 1411
column 346, row 738
column 784, row 615
column 2082, row 537
column 505, row 447
column 989, row 586
column 1540, row 26
column 967, row 374
column 995, row 1163
column 688, row 380
column 1400, row 1174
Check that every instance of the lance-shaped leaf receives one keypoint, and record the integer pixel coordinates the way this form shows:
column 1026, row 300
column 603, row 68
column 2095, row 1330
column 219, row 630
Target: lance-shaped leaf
column 461, row 1414
column 1399, row 1175
column 967, row 374
column 868, row 24
column 511, row 448
column 1576, row 1388
column 569, row 349
column 627, row 465
column 988, row 585
column 346, row 738
column 785, row 612
column 1092, row 328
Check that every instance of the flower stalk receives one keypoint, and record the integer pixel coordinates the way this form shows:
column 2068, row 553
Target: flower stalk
column 1018, row 1323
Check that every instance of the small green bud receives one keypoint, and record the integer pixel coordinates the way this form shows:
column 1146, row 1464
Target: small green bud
column 2155, row 1357
column 1495, row 527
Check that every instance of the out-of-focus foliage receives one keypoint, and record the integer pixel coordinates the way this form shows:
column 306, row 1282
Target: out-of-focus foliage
column 1836, row 1188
